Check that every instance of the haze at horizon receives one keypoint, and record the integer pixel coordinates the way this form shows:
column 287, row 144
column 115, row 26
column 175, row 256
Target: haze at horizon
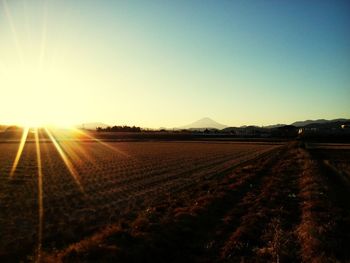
column 170, row 63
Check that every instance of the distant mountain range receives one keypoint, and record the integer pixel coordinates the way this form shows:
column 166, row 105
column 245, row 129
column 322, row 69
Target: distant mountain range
column 207, row 123
column 204, row 123
column 274, row 126
column 319, row 121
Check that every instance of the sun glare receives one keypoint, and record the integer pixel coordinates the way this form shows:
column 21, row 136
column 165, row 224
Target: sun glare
column 43, row 75
column 39, row 98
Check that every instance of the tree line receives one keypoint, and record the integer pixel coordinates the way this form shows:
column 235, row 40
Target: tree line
column 124, row 128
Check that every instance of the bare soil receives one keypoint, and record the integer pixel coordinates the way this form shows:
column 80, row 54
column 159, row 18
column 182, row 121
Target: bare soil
column 178, row 202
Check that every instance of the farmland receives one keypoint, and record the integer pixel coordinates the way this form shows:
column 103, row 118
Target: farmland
column 178, row 201
column 107, row 182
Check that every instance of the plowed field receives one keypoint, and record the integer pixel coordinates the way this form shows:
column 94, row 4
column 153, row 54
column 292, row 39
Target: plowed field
column 80, row 188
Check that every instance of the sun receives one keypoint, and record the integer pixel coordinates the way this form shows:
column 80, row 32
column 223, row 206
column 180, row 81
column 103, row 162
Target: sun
column 39, row 83
column 37, row 98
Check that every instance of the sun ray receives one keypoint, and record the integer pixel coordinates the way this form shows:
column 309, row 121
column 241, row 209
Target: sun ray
column 70, row 144
column 26, row 22
column 65, row 159
column 79, row 151
column 40, row 194
column 100, row 142
column 43, row 37
column 70, row 151
column 14, row 31
column 20, row 150
column 85, row 154
column 60, row 34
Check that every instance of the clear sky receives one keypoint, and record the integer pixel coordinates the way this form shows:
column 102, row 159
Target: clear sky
column 169, row 63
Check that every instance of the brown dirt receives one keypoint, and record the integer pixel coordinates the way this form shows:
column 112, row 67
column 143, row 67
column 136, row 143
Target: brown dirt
column 118, row 183
column 283, row 207
column 181, row 202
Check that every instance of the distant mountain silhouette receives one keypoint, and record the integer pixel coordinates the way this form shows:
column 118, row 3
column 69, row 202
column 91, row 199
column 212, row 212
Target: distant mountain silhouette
column 204, row 123
column 92, row 125
column 319, row 121
column 274, row 126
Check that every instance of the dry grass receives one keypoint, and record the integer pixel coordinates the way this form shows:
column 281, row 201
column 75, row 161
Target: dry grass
column 323, row 214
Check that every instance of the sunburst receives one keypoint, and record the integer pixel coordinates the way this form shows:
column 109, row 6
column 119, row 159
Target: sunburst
column 68, row 157
column 40, row 194
column 32, row 83
column 13, row 30
column 66, row 160
column 20, row 150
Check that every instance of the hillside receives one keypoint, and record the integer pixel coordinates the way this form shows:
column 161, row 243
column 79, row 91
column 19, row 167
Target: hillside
column 319, row 121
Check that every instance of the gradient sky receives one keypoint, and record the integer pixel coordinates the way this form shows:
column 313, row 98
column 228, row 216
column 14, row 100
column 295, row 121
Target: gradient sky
column 169, row 63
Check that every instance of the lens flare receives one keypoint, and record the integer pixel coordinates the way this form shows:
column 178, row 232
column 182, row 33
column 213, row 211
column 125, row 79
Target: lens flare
column 20, row 150
column 40, row 194
column 66, row 161
column 43, row 38
column 100, row 142
column 14, row 31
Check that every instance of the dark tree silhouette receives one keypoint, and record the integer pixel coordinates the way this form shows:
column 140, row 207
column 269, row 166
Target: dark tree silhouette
column 119, row 129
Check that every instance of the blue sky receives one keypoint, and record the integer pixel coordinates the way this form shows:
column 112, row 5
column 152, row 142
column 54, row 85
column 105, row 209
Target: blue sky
column 167, row 63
